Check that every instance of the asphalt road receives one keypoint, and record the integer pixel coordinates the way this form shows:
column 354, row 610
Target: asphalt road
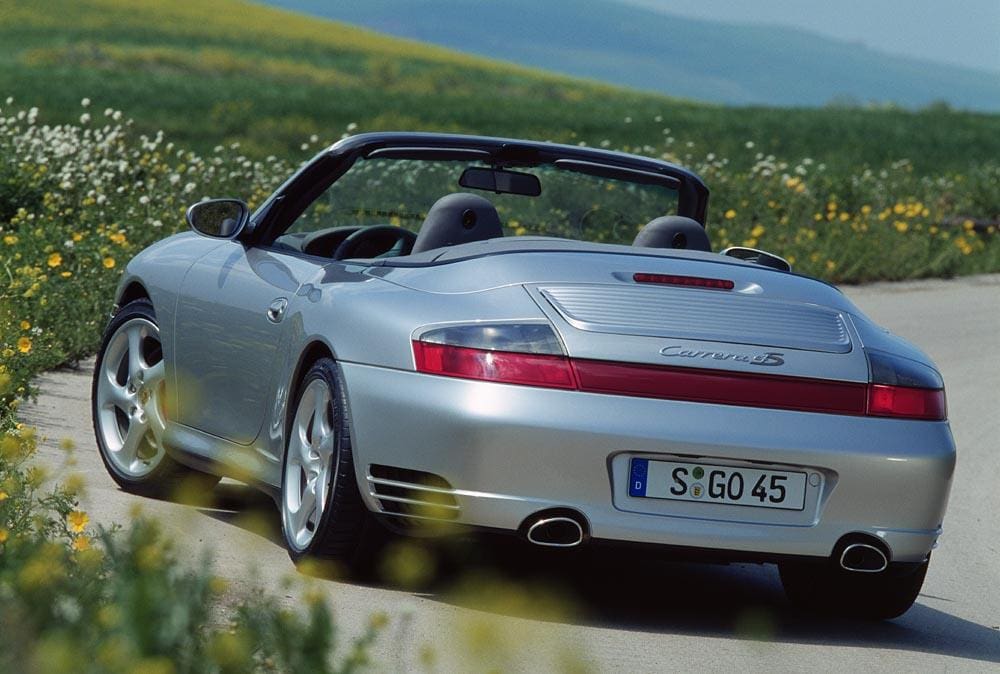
column 618, row 610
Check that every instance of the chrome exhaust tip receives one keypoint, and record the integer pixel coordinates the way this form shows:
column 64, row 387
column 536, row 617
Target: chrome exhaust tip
column 863, row 558
column 556, row 532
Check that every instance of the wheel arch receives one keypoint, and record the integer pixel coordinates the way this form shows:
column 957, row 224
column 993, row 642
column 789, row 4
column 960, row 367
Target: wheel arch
column 133, row 290
column 314, row 350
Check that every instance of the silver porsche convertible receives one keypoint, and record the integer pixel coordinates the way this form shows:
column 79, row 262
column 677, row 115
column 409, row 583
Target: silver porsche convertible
column 531, row 338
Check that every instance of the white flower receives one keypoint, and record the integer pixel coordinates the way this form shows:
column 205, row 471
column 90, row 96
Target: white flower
column 144, row 200
column 749, row 145
column 85, row 118
column 85, row 102
column 628, row 120
column 313, row 138
column 117, row 115
column 658, row 119
column 189, row 188
column 352, row 126
column 68, row 243
column 304, row 146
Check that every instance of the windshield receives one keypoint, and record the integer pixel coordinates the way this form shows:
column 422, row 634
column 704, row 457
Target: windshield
column 573, row 205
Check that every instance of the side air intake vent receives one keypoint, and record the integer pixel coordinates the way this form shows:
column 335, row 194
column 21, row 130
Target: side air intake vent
column 412, row 493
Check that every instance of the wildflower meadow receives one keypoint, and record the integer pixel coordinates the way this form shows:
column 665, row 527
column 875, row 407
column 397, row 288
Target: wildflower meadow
column 77, row 200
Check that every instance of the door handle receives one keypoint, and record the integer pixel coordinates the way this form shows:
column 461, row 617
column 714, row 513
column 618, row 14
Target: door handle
column 276, row 311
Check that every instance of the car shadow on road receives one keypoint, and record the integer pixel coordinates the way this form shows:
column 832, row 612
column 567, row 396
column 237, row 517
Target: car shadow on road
column 634, row 589
column 644, row 591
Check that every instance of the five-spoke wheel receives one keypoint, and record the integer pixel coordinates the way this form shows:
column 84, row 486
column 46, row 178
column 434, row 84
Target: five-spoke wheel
column 127, row 401
column 321, row 510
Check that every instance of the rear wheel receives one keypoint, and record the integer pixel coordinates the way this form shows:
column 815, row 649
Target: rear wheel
column 322, row 514
column 127, row 399
column 827, row 588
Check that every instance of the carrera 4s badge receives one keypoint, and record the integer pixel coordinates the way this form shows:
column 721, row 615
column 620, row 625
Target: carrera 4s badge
column 768, row 358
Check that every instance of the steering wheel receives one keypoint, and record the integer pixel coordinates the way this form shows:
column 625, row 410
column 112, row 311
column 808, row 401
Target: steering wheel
column 374, row 241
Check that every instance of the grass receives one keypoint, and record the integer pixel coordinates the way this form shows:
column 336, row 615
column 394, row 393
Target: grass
column 211, row 73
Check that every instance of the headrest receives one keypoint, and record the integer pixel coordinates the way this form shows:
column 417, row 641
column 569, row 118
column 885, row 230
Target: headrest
column 458, row 218
column 673, row 231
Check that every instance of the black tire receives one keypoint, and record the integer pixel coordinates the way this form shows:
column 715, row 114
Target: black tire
column 168, row 479
column 346, row 532
column 825, row 588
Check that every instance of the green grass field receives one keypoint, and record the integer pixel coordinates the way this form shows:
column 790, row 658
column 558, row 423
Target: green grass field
column 215, row 72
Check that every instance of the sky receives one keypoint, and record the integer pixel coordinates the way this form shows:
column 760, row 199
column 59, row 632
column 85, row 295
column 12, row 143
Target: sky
column 960, row 32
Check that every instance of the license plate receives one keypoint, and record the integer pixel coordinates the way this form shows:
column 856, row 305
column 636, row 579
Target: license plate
column 707, row 483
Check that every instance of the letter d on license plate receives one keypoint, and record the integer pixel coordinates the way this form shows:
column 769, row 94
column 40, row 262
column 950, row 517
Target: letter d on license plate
column 708, row 483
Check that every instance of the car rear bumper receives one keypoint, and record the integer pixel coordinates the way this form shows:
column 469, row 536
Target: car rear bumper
column 508, row 452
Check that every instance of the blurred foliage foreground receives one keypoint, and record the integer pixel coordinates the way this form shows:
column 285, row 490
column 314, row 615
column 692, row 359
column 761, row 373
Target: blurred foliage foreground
column 78, row 200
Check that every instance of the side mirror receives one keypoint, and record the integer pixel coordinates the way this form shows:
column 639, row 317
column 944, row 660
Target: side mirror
column 219, row 218
column 760, row 257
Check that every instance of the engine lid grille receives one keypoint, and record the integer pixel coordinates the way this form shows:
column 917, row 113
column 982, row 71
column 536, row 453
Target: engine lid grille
column 701, row 315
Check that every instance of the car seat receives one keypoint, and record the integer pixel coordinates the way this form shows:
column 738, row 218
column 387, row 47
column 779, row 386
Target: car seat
column 458, row 218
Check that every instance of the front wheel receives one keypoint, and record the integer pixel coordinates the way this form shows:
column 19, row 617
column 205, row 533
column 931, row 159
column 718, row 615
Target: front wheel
column 322, row 515
column 826, row 588
column 127, row 405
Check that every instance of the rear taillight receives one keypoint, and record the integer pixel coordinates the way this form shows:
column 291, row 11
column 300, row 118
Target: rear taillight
column 904, row 388
column 529, row 354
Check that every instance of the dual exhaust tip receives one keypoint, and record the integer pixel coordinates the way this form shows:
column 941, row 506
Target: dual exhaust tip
column 556, row 529
column 863, row 558
column 568, row 529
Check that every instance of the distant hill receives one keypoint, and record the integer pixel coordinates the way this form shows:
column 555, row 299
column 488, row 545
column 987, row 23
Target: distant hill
column 225, row 71
column 690, row 58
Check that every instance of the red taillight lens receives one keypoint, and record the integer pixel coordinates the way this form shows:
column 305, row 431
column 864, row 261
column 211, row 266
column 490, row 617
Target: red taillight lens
column 690, row 281
column 904, row 388
column 530, row 354
column 528, row 369
column 721, row 387
column 909, row 403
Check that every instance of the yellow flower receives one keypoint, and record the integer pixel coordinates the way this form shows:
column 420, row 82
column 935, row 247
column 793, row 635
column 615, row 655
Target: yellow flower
column 25, row 325
column 24, row 345
column 866, row 209
column 3, row 535
column 968, row 225
column 77, row 236
column 830, row 265
column 10, row 239
column 66, row 274
column 757, row 231
column 109, row 263
column 81, row 543
column 77, row 521
column 730, row 214
column 55, row 260
column 901, row 226
column 119, row 238
column 3, row 495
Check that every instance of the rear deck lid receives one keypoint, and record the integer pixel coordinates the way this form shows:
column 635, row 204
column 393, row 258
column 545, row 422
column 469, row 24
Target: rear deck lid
column 737, row 330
